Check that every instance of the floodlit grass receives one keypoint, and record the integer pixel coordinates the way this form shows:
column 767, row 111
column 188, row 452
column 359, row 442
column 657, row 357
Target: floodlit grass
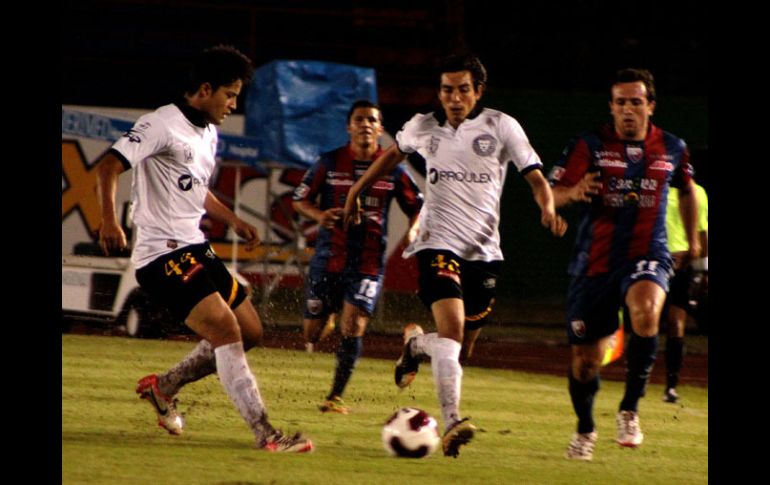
column 110, row 437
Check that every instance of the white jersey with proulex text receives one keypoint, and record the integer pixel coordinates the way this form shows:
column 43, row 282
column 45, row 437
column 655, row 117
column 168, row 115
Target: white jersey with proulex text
column 465, row 173
column 172, row 161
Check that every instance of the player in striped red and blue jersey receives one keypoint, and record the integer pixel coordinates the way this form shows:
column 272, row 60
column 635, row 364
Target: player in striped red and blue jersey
column 347, row 269
column 620, row 174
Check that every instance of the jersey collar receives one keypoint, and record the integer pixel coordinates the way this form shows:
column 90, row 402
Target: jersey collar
column 440, row 115
column 193, row 115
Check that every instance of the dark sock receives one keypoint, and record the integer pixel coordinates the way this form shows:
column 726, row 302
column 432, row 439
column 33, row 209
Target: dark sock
column 641, row 357
column 582, row 394
column 347, row 356
column 674, row 355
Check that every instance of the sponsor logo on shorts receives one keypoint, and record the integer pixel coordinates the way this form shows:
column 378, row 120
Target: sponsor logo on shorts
column 578, row 328
column 314, row 306
column 192, row 271
column 490, row 283
column 449, row 274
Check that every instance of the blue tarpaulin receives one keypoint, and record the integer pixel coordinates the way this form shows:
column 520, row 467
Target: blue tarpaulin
column 296, row 110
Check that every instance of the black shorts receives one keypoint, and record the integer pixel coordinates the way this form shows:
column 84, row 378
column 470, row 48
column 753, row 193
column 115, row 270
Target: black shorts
column 443, row 274
column 180, row 279
column 679, row 288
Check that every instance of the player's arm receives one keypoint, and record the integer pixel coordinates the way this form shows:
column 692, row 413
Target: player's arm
column 414, row 228
column 544, row 197
column 582, row 191
column 220, row 212
column 325, row 218
column 384, row 164
column 111, row 235
column 688, row 209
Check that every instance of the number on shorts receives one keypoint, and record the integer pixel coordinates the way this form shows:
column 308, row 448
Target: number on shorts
column 368, row 288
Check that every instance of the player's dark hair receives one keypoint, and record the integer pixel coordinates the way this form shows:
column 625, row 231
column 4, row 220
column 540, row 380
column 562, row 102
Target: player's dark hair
column 632, row 75
column 464, row 62
column 219, row 65
column 364, row 103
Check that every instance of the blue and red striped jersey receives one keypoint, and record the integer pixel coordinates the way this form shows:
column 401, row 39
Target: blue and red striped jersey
column 363, row 250
column 627, row 220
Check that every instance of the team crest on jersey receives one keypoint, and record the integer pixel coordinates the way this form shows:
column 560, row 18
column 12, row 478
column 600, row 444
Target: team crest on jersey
column 433, row 145
column 188, row 153
column 314, row 306
column 578, row 328
column 301, row 191
column 634, row 153
column 556, row 173
column 484, row 145
column 210, row 253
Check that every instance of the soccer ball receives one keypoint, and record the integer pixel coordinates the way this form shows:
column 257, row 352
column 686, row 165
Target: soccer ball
column 410, row 433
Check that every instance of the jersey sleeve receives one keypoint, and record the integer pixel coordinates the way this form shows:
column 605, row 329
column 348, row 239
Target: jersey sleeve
column 683, row 172
column 408, row 195
column 312, row 181
column 406, row 138
column 574, row 162
column 517, row 147
column 146, row 138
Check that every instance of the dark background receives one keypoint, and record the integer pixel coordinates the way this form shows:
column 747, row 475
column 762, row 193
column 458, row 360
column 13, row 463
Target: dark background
column 549, row 66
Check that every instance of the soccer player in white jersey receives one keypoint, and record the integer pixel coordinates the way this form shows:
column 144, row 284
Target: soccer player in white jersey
column 467, row 150
column 172, row 152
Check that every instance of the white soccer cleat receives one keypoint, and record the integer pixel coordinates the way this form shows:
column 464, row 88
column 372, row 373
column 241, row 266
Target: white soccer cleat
column 629, row 433
column 581, row 447
column 164, row 407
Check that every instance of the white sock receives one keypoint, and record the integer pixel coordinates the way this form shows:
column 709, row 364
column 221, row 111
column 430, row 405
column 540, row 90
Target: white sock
column 448, row 376
column 423, row 344
column 241, row 386
column 199, row 363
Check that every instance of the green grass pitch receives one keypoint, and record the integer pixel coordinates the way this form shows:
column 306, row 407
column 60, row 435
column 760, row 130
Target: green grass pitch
column 109, row 436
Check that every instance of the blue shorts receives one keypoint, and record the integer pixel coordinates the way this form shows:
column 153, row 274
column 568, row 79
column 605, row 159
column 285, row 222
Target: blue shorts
column 593, row 301
column 325, row 292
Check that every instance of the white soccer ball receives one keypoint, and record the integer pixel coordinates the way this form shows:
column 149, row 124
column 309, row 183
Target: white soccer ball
column 410, row 433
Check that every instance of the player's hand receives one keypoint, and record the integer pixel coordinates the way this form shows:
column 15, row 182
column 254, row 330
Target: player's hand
column 112, row 237
column 248, row 233
column 352, row 211
column 587, row 187
column 554, row 222
column 692, row 253
column 330, row 217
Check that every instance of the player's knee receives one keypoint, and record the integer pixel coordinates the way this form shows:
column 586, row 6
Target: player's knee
column 585, row 366
column 644, row 319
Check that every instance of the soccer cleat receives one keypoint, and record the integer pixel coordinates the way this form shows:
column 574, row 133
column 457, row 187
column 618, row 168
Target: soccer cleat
column 165, row 407
column 581, row 447
column 461, row 433
column 333, row 405
column 670, row 395
column 406, row 365
column 277, row 442
column 629, row 432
